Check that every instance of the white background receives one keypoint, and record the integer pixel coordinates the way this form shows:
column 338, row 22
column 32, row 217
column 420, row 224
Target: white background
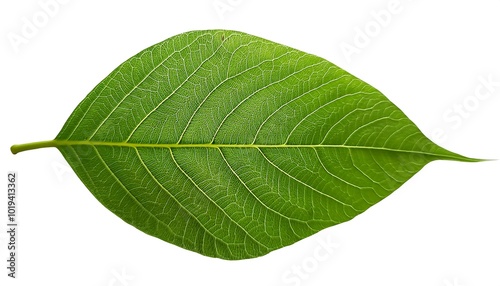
column 441, row 228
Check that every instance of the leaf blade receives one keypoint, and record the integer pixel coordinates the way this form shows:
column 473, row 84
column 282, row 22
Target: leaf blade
column 233, row 146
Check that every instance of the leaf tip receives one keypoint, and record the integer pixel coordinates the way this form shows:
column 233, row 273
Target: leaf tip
column 484, row 160
column 474, row 160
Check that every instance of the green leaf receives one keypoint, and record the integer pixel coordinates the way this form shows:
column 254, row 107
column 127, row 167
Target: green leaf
column 233, row 146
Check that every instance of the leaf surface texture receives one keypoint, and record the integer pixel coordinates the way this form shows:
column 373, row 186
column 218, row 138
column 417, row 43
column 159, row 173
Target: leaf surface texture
column 232, row 146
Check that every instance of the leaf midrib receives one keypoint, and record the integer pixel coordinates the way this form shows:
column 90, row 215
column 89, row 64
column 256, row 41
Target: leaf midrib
column 61, row 143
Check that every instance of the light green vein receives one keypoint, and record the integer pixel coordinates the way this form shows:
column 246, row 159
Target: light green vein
column 61, row 143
